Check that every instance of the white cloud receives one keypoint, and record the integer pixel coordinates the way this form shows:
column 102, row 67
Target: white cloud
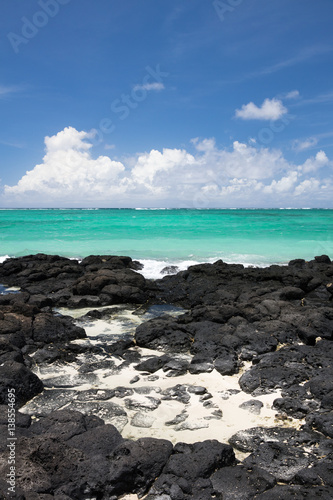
column 309, row 186
column 68, row 171
column 271, row 109
column 315, row 163
column 283, row 185
column 157, row 86
column 299, row 145
column 294, row 94
column 208, row 176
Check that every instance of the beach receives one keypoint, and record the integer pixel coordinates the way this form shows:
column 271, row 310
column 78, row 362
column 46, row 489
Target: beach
column 220, row 365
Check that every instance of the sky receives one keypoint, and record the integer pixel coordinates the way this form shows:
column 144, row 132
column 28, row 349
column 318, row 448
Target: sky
column 178, row 103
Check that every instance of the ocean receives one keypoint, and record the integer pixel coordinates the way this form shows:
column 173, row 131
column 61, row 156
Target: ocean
column 162, row 237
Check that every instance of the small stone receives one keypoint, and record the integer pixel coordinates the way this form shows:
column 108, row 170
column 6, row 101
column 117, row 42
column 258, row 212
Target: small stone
column 178, row 419
column 205, row 397
column 253, row 406
column 135, row 379
column 192, row 426
column 209, row 404
column 141, row 419
column 148, row 403
column 197, row 389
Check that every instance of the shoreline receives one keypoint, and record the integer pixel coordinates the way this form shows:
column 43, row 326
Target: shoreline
column 259, row 336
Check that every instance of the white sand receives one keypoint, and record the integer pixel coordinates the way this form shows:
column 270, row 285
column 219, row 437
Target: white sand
column 201, row 422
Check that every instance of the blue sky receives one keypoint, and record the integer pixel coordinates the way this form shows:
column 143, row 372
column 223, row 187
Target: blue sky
column 194, row 103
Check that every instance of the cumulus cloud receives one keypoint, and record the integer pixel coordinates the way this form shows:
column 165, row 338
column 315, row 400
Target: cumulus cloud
column 204, row 176
column 68, row 171
column 299, row 146
column 271, row 109
column 157, row 86
column 315, row 163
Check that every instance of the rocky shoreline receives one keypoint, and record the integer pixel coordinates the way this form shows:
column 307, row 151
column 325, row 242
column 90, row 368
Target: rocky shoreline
column 272, row 328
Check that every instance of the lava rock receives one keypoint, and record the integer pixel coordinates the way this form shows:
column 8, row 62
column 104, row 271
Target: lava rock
column 198, row 460
column 153, row 364
column 16, row 376
column 282, row 461
column 240, row 483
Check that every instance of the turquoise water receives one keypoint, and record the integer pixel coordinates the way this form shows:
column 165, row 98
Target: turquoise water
column 257, row 237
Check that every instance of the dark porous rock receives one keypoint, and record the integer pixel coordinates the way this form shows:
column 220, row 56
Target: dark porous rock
column 46, row 464
column 148, row 403
column 106, row 410
column 201, row 364
column 170, row 270
column 227, row 365
column 41, row 301
column 163, row 333
column 279, row 317
column 198, row 460
column 176, row 367
column 253, row 406
column 152, row 364
column 96, row 395
column 96, row 262
column 62, row 424
column 323, row 259
column 176, row 393
column 112, row 285
column 250, row 440
column 298, row 263
column 280, row 460
column 197, row 389
column 178, row 418
column 280, row 369
column 16, row 376
column 101, row 440
column 321, row 384
column 134, row 465
column 322, row 422
column 170, row 487
column 286, row 492
column 327, row 401
column 47, row 354
column 320, row 474
column 240, row 483
column 203, row 490
column 10, row 352
column 293, row 407
column 21, row 419
column 48, row 328
column 80, row 301
column 291, row 293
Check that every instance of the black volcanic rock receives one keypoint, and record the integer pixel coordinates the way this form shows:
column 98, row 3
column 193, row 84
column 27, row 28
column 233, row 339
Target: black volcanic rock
column 14, row 375
column 241, row 483
column 280, row 318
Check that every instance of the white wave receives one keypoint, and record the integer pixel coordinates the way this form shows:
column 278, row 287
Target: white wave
column 152, row 268
column 3, row 258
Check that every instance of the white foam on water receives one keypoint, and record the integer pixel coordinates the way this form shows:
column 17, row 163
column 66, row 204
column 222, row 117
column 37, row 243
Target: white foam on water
column 3, row 258
column 152, row 268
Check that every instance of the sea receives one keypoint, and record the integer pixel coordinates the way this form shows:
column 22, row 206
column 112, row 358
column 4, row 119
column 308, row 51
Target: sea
column 163, row 237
